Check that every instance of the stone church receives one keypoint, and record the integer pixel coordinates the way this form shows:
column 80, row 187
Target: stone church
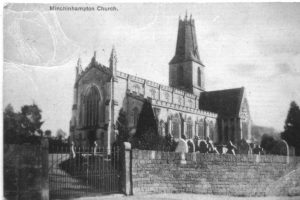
column 183, row 109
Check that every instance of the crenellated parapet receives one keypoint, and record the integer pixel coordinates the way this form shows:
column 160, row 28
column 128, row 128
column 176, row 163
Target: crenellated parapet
column 153, row 90
column 164, row 104
column 122, row 75
column 136, row 79
column 152, row 84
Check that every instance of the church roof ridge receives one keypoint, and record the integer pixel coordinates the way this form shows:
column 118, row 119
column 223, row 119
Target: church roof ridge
column 225, row 90
column 225, row 102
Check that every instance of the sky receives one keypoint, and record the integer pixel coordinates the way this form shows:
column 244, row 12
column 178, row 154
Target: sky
column 255, row 45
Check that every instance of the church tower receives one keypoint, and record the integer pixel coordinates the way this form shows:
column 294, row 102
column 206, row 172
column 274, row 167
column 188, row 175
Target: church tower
column 186, row 71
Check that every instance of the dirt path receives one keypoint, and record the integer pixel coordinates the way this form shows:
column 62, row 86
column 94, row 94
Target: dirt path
column 184, row 196
column 62, row 184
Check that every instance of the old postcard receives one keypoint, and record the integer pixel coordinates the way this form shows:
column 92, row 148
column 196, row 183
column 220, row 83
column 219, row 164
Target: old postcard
column 199, row 99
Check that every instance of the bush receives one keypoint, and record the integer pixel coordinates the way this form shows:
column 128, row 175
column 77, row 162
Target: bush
column 273, row 145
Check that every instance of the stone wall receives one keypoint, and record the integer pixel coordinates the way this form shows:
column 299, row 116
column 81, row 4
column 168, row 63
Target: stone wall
column 240, row 175
column 26, row 172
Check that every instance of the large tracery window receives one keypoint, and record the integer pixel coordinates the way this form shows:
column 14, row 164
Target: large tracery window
column 91, row 107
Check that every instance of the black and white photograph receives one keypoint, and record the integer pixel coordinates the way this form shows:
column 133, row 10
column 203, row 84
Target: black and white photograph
column 151, row 101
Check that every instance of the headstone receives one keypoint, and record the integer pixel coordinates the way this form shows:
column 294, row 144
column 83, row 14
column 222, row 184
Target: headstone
column 212, row 148
column 191, row 146
column 243, row 147
column 224, row 149
column 203, row 147
column 182, row 146
column 95, row 147
column 256, row 149
column 231, row 148
column 73, row 150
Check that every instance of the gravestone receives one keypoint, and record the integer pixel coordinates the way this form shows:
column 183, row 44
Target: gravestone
column 231, row 148
column 182, row 146
column 257, row 149
column 191, row 146
column 203, row 147
column 243, row 147
column 224, row 149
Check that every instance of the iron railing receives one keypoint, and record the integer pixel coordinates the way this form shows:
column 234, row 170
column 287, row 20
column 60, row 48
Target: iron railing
column 83, row 171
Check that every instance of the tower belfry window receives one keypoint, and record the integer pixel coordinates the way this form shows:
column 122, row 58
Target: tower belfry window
column 180, row 75
column 199, row 76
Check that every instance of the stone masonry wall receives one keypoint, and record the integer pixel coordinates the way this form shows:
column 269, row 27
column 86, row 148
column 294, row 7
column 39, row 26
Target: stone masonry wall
column 240, row 175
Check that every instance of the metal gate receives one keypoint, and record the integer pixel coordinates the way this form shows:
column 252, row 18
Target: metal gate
column 83, row 171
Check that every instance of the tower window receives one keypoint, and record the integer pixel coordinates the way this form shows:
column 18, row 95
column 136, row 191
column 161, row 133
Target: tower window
column 180, row 75
column 199, row 76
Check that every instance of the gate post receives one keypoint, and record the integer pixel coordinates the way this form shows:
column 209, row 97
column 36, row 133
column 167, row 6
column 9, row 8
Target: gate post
column 126, row 169
column 45, row 177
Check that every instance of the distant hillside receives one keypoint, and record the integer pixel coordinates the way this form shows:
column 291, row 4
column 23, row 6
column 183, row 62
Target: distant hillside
column 258, row 131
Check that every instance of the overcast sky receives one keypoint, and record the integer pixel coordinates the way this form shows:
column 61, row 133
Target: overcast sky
column 255, row 45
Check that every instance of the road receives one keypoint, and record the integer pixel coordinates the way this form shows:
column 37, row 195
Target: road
column 183, row 196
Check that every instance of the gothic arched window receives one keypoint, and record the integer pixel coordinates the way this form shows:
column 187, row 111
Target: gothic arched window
column 180, row 75
column 189, row 128
column 91, row 107
column 162, row 129
column 201, row 130
column 211, row 130
column 176, row 126
column 226, row 133
column 199, row 76
column 232, row 130
column 135, row 116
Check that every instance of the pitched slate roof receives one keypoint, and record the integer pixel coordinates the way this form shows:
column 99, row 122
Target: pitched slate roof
column 226, row 103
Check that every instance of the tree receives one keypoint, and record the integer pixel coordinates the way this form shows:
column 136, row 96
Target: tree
column 24, row 126
column 121, row 126
column 146, row 136
column 48, row 133
column 31, row 120
column 60, row 134
column 11, row 125
column 291, row 133
column 273, row 145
